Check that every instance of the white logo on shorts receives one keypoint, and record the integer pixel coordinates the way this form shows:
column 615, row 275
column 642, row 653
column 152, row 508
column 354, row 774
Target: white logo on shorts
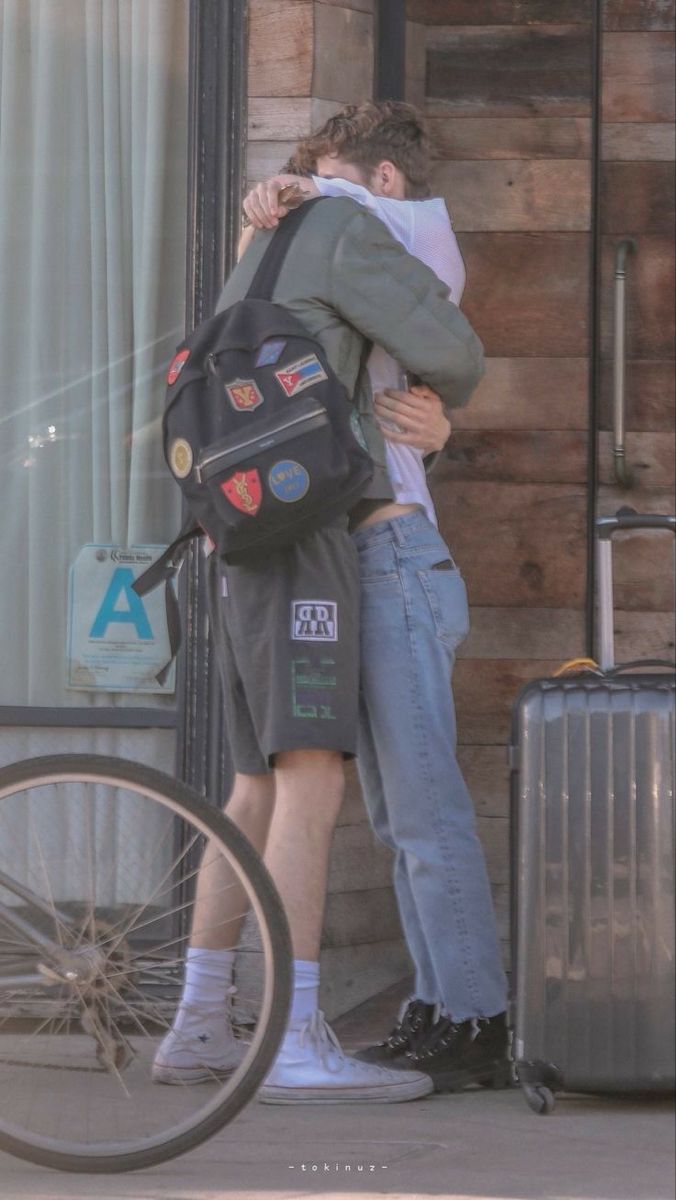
column 314, row 621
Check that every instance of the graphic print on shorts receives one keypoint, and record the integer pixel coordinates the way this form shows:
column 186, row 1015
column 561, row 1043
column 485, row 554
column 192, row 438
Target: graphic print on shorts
column 295, row 377
column 312, row 687
column 314, row 621
column 243, row 490
column 243, row 394
column 288, row 480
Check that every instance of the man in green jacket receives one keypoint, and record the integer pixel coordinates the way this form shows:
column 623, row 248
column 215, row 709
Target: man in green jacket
column 295, row 619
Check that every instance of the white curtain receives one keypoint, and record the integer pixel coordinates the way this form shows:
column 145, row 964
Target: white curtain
column 93, row 153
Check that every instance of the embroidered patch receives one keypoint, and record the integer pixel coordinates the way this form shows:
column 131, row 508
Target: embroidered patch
column 243, row 394
column 269, row 352
column 243, row 490
column 176, row 365
column 295, row 377
column 180, row 458
column 314, row 621
column 355, row 426
column 288, row 480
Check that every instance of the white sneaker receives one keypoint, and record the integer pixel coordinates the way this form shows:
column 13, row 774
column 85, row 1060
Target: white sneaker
column 202, row 1049
column 311, row 1068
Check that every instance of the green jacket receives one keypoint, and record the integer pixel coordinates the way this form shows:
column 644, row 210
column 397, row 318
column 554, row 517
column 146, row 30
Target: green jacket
column 346, row 279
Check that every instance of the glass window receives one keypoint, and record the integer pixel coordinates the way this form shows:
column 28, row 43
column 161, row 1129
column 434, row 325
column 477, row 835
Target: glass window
column 93, row 177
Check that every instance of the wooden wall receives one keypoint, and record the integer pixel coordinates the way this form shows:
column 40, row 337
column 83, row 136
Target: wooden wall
column 508, row 94
column 637, row 200
column 507, row 87
column 306, row 59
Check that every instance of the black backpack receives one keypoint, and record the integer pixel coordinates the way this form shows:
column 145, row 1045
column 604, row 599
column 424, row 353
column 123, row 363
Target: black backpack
column 258, row 430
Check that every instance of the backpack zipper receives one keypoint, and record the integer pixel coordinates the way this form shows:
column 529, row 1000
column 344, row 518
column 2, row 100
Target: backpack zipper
column 263, row 440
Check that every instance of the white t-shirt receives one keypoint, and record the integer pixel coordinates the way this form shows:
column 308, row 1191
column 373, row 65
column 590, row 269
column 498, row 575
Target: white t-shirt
column 424, row 229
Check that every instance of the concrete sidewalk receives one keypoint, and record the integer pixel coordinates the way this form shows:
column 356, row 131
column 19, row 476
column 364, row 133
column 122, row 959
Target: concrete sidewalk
column 481, row 1145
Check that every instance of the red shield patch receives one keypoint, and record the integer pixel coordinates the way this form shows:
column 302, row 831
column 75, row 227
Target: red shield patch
column 243, row 394
column 176, row 366
column 243, row 490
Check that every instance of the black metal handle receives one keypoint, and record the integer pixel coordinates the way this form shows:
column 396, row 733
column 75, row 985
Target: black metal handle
column 628, row 518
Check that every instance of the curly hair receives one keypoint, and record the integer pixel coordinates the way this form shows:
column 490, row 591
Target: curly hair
column 370, row 133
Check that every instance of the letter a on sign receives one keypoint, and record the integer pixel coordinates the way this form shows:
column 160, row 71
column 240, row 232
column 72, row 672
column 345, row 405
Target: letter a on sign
column 133, row 614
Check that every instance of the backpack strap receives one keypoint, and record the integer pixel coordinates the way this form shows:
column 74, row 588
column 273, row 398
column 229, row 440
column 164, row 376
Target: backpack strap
column 263, row 283
column 164, row 570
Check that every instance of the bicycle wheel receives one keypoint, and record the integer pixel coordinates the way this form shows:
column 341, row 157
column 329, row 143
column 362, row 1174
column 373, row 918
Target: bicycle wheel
column 99, row 861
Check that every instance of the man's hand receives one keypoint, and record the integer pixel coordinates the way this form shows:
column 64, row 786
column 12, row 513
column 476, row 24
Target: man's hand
column 271, row 200
column 419, row 416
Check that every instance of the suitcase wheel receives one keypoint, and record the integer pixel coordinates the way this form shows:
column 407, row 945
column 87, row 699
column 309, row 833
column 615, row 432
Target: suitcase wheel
column 539, row 1099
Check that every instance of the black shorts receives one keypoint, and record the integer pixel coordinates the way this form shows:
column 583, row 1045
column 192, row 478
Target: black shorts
column 286, row 633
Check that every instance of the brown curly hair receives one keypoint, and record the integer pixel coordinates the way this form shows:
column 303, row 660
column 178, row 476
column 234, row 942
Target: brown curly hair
column 370, row 133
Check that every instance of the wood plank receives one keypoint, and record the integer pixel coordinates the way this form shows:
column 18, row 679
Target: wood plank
column 360, row 918
column 281, row 39
column 264, row 159
column 346, row 76
column 638, row 141
column 416, row 63
column 286, row 119
column 649, row 297
column 523, row 393
column 649, row 396
column 638, row 77
column 642, row 562
column 486, row 691
column 526, row 293
column 503, row 633
column 498, row 12
column 509, row 71
column 650, row 458
column 514, row 456
column 486, row 773
column 467, row 138
column 494, row 837
column 365, row 6
column 352, row 974
column 515, row 195
column 358, row 860
column 643, row 635
column 638, row 14
column 638, row 197
column 517, row 545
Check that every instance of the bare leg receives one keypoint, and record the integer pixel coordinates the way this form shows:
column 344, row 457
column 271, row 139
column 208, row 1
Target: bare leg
column 221, row 904
column 308, row 793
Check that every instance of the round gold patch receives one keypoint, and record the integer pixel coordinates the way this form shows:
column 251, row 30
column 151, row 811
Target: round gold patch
column 180, row 458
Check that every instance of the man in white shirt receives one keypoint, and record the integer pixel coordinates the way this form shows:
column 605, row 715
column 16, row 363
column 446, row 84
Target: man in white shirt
column 413, row 616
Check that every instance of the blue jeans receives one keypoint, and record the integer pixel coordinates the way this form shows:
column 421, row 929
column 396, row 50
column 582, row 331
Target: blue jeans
column 413, row 616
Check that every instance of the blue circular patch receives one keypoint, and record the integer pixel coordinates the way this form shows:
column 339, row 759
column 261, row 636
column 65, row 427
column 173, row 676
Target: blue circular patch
column 288, row 481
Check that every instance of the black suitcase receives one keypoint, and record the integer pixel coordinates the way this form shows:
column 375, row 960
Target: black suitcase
column 592, row 760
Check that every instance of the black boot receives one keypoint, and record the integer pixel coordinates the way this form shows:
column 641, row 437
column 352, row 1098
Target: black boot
column 475, row 1051
column 415, row 1025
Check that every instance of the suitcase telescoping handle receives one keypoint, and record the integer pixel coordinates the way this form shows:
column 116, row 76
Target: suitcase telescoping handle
column 606, row 527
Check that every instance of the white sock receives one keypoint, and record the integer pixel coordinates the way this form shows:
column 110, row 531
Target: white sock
column 208, row 975
column 305, row 998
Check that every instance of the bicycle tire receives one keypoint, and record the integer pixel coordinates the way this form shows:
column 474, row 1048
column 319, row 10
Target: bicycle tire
column 177, row 798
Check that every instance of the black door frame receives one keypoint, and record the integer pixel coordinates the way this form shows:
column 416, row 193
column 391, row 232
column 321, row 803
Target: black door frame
column 216, row 149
